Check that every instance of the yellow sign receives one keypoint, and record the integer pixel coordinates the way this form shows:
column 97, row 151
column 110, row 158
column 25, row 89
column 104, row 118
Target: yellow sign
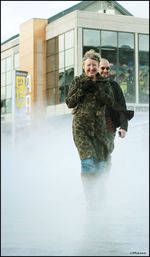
column 20, row 91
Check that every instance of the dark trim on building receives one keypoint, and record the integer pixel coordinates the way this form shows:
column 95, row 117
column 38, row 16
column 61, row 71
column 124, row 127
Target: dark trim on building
column 11, row 38
column 84, row 4
column 79, row 6
column 121, row 9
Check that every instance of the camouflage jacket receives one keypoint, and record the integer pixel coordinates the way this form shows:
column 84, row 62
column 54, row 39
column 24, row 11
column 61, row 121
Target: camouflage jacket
column 89, row 127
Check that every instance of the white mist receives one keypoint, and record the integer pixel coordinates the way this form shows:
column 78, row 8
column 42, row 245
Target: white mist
column 44, row 209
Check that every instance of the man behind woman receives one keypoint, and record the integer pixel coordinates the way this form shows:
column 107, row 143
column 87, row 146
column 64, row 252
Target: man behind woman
column 88, row 95
column 114, row 119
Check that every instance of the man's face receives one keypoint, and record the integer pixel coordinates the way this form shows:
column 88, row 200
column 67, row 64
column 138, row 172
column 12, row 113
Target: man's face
column 104, row 68
column 90, row 68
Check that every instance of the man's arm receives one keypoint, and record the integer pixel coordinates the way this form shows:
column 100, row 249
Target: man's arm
column 121, row 101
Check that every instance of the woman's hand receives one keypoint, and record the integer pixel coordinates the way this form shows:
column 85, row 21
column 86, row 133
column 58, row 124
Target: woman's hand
column 89, row 86
column 122, row 133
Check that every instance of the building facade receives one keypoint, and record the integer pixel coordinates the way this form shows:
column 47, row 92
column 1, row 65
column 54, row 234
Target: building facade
column 51, row 51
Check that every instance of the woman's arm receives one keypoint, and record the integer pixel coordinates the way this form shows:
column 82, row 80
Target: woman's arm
column 74, row 93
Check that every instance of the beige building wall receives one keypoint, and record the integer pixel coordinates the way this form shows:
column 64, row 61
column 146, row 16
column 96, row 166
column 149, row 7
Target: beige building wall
column 32, row 49
column 112, row 22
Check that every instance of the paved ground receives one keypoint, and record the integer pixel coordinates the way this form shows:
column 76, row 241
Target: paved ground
column 44, row 207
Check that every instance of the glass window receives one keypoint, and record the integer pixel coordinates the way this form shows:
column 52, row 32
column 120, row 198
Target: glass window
column 3, row 106
column 144, row 42
column 51, row 46
column 56, row 78
column 51, row 63
column 69, row 39
column 126, row 74
column 109, row 54
column 69, row 57
column 126, row 57
column 51, row 93
column 91, row 38
column 3, row 79
column 108, row 39
column 3, row 65
column 143, row 68
column 51, row 79
column 109, row 46
column 57, row 96
column 61, row 85
column 126, row 40
column 8, row 77
column 126, row 65
column 8, row 63
column 61, row 60
column 69, row 75
column 8, row 105
column 16, row 61
column 3, row 93
column 56, row 65
column 8, row 91
column 61, row 42
column 65, row 79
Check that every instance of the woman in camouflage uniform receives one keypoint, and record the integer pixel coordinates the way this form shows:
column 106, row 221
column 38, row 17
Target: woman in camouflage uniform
column 88, row 94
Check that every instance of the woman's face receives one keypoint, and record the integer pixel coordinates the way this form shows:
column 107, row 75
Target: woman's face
column 90, row 67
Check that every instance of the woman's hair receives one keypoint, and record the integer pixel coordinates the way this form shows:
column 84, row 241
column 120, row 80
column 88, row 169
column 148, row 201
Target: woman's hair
column 91, row 54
